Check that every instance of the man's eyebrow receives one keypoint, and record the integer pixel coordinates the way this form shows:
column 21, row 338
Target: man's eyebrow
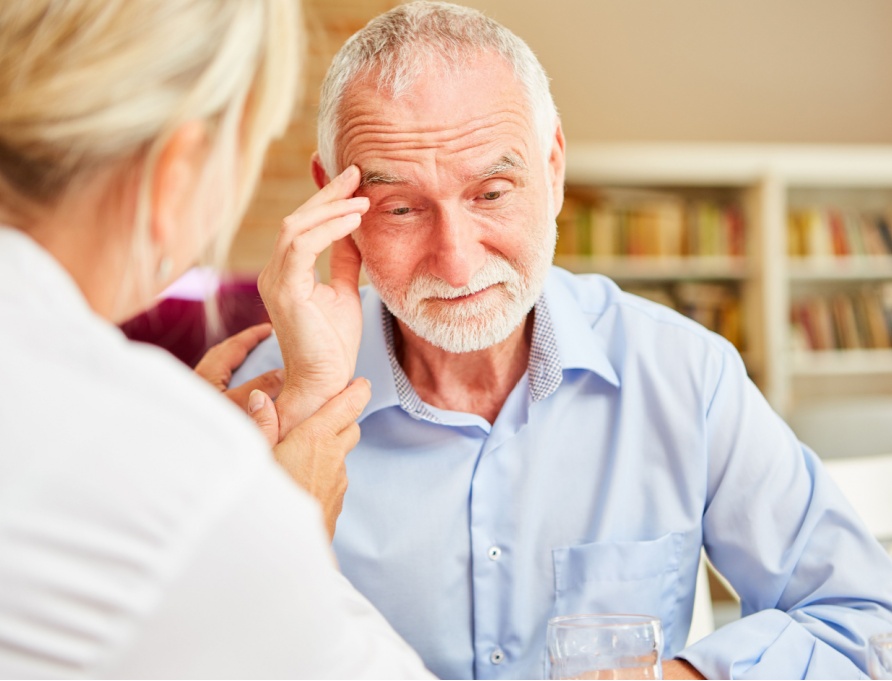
column 376, row 177
column 507, row 162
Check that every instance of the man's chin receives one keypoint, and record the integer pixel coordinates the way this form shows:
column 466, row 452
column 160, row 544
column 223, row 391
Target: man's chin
column 462, row 336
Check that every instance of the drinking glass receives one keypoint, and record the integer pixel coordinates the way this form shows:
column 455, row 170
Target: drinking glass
column 605, row 646
column 879, row 656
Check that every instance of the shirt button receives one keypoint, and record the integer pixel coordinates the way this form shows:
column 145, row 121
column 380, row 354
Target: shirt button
column 497, row 656
column 494, row 553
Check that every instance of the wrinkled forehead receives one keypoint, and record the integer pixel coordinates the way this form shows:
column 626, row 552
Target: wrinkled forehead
column 482, row 105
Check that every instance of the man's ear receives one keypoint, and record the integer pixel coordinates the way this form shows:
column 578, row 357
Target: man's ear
column 320, row 177
column 176, row 176
column 557, row 164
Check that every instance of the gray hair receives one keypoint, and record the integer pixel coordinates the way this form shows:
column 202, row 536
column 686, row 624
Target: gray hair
column 401, row 45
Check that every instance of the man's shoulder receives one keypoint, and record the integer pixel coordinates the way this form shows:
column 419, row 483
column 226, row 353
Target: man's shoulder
column 591, row 293
column 610, row 310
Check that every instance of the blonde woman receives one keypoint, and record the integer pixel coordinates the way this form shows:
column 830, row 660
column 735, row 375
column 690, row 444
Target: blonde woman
column 145, row 528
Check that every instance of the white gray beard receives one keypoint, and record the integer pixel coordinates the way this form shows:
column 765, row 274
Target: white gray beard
column 477, row 324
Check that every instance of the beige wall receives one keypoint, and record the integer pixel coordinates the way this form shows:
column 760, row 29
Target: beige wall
column 816, row 71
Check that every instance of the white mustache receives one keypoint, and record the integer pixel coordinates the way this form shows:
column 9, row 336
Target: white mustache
column 496, row 270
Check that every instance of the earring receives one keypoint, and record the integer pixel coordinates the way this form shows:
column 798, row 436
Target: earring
column 165, row 267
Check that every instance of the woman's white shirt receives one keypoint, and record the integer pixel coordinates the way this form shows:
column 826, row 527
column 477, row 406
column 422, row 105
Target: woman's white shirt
column 145, row 530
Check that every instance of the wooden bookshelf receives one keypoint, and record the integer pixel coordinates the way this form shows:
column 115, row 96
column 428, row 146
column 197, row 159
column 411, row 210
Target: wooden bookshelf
column 770, row 184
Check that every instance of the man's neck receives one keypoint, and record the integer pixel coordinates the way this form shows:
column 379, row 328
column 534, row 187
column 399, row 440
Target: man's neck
column 471, row 382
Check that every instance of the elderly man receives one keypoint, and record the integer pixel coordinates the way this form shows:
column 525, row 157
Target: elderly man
column 539, row 443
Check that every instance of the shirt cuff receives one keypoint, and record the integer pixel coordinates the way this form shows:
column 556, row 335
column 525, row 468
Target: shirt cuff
column 768, row 644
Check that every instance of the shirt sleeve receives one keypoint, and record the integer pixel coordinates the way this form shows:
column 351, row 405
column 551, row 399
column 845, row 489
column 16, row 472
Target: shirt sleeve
column 259, row 596
column 814, row 584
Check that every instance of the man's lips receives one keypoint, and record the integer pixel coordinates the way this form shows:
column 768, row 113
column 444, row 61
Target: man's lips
column 464, row 299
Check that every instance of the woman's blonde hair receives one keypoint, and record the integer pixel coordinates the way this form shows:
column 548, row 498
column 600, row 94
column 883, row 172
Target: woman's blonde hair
column 85, row 83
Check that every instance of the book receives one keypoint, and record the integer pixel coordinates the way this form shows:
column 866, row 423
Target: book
column 848, row 320
column 832, row 232
column 838, row 237
column 846, row 327
column 604, row 232
column 885, row 234
column 878, row 331
column 852, row 225
column 637, row 223
column 567, row 243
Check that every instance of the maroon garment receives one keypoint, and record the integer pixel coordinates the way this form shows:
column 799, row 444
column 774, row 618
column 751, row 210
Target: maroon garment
column 180, row 325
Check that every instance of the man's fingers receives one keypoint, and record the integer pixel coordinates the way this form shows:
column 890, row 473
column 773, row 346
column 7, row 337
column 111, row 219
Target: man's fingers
column 342, row 186
column 305, row 219
column 334, row 200
column 345, row 264
column 301, row 257
column 311, row 230
column 263, row 412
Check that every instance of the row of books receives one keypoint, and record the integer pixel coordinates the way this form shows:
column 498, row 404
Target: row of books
column 824, row 232
column 852, row 320
column 633, row 223
column 715, row 306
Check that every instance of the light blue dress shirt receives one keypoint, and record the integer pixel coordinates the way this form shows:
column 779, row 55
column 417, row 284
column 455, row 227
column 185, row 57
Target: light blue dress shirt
column 634, row 438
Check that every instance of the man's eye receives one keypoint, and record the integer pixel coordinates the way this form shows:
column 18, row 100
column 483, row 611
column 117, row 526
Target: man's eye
column 492, row 196
column 399, row 211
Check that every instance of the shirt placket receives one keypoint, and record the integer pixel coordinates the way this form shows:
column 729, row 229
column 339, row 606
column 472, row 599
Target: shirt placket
column 491, row 553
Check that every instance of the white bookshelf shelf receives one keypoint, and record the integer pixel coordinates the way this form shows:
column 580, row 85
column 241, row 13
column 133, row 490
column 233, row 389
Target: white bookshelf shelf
column 730, row 164
column 659, row 268
column 851, row 268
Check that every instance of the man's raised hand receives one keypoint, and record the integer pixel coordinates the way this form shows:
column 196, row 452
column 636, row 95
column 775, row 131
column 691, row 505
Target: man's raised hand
column 318, row 325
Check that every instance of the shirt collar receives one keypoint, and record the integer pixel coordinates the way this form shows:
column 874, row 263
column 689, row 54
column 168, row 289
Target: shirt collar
column 562, row 339
column 579, row 345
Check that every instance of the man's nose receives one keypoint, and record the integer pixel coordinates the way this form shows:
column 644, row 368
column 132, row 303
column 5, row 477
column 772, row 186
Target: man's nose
column 457, row 252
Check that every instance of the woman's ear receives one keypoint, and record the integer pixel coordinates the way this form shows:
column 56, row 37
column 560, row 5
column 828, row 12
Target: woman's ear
column 175, row 183
column 320, row 177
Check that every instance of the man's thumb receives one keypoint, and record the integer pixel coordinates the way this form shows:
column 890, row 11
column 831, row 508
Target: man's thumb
column 263, row 412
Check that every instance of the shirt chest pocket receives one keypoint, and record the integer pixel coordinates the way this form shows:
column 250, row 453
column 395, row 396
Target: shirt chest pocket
column 640, row 577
